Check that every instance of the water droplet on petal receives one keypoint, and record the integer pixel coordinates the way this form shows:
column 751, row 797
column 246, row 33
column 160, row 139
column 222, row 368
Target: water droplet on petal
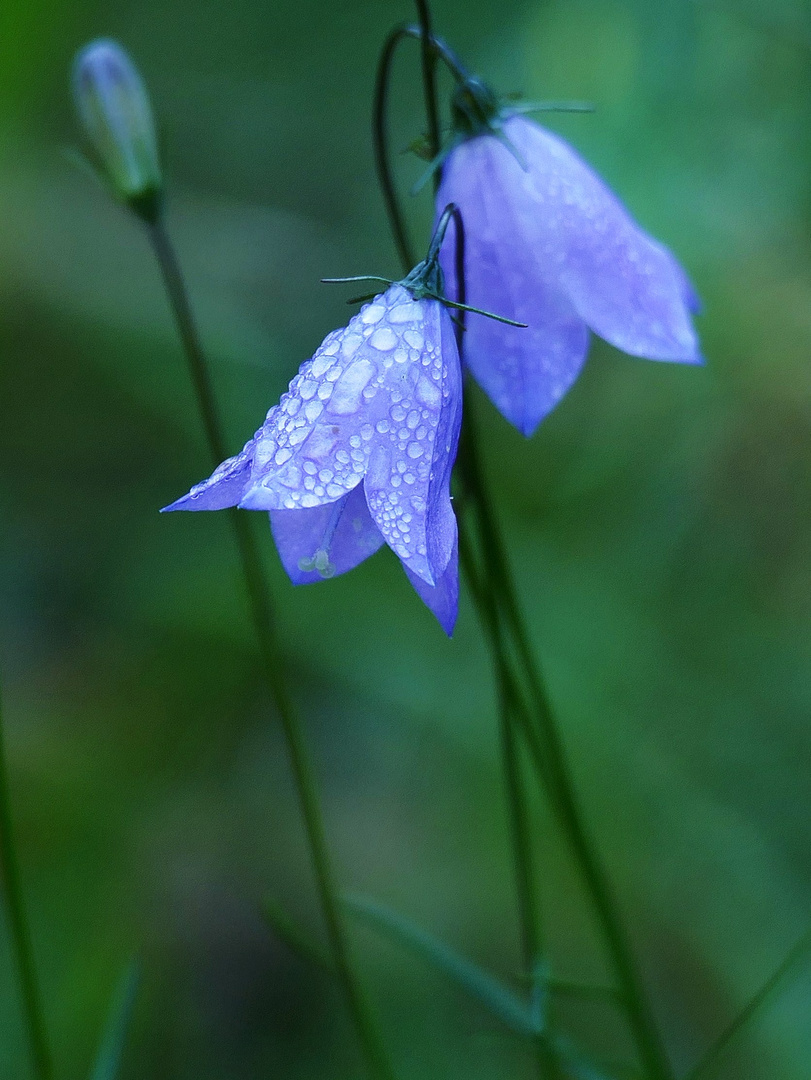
column 383, row 339
column 408, row 312
column 428, row 392
column 350, row 345
column 346, row 396
column 372, row 314
column 320, row 364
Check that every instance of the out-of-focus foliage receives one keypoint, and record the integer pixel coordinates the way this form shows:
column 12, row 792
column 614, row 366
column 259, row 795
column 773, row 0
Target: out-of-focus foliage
column 658, row 524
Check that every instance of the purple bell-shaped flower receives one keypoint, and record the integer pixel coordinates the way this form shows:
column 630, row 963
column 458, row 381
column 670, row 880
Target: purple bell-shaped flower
column 359, row 451
column 548, row 244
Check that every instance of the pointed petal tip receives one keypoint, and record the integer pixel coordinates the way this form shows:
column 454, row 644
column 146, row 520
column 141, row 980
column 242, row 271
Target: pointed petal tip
column 178, row 504
column 692, row 356
column 441, row 599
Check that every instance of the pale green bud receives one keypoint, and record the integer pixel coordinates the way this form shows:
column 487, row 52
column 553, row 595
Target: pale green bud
column 116, row 116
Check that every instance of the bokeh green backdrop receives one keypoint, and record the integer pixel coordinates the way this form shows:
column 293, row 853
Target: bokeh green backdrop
column 658, row 524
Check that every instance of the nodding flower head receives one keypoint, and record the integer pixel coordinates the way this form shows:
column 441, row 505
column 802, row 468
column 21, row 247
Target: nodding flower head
column 547, row 243
column 116, row 117
column 359, row 452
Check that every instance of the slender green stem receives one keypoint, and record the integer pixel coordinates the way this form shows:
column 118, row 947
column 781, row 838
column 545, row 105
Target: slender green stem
column 527, row 894
column 546, row 1061
column 549, row 758
column 516, row 795
column 20, row 932
column 521, row 831
column 380, row 141
column 258, row 596
column 495, row 596
column 428, row 58
column 520, row 827
column 517, row 801
column 546, row 748
column 432, row 48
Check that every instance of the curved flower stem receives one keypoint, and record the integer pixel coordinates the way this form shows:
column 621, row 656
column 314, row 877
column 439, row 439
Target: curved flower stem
column 258, row 596
column 380, row 140
column 20, row 932
column 429, row 79
column 431, row 49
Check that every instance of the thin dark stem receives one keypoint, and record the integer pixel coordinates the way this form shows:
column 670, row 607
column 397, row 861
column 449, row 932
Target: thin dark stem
column 20, row 932
column 380, row 141
column 429, row 80
column 517, row 801
column 549, row 758
column 498, row 608
column 522, row 845
column 510, row 705
column 261, row 612
column 516, row 794
column 521, row 838
column 431, row 49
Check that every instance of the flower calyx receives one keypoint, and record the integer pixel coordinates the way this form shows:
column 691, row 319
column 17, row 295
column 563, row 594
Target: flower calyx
column 426, row 281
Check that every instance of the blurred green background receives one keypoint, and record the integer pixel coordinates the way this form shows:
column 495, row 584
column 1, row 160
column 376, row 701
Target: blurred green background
column 658, row 524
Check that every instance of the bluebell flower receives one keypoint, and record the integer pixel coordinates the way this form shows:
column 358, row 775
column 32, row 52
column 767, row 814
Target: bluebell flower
column 547, row 243
column 359, row 452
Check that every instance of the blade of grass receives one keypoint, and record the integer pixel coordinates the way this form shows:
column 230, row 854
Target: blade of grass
column 713, row 1056
column 296, row 939
column 508, row 1007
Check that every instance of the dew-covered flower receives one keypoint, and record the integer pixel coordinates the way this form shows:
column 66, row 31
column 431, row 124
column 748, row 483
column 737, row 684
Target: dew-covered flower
column 359, row 452
column 114, row 110
column 547, row 243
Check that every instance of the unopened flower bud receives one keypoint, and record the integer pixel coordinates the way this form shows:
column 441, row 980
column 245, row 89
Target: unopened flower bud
column 114, row 110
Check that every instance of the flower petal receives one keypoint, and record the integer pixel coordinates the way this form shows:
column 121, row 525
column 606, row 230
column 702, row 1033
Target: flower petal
column 627, row 286
column 442, row 598
column 342, row 531
column 408, row 481
column 225, row 487
column 345, row 403
column 524, row 371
